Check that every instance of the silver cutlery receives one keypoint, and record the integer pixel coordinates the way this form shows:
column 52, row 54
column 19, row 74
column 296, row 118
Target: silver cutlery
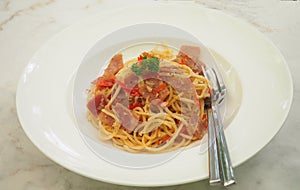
column 220, row 166
column 214, row 170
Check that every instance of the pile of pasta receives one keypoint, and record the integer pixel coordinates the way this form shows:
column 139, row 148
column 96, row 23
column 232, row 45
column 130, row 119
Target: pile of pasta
column 154, row 103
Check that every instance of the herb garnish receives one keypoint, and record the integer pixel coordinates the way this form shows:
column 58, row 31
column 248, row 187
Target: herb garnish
column 152, row 64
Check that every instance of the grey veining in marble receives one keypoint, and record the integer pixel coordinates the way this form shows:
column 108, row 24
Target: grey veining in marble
column 26, row 25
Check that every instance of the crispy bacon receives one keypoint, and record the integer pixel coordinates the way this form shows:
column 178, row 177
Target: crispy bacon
column 116, row 64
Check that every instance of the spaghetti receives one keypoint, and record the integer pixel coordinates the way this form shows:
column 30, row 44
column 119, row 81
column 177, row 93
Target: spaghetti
column 154, row 103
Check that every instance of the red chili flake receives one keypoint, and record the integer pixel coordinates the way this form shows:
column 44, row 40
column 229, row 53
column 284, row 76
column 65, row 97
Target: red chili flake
column 135, row 105
column 135, row 91
column 140, row 58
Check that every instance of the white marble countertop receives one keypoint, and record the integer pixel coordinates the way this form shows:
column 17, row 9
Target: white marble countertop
column 26, row 25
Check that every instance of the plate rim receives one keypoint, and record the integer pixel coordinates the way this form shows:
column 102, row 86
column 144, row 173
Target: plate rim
column 150, row 184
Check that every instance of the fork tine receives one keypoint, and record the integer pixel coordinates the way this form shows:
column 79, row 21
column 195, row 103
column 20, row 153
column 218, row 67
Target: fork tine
column 221, row 86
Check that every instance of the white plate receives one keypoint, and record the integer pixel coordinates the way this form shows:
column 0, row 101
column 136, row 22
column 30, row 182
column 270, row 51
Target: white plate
column 131, row 41
column 44, row 94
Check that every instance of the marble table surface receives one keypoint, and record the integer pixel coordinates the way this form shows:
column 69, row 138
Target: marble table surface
column 26, row 25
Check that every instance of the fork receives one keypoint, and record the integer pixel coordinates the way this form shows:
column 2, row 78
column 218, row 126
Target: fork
column 220, row 166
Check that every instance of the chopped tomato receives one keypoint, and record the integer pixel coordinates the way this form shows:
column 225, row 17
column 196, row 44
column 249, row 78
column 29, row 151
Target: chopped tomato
column 135, row 91
column 159, row 88
column 165, row 138
column 102, row 83
column 106, row 82
column 184, row 59
column 140, row 58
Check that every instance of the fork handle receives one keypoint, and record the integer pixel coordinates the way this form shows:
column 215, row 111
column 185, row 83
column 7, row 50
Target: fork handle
column 214, row 170
column 226, row 169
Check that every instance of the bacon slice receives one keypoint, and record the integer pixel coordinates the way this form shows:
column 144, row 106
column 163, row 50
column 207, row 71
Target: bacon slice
column 192, row 52
column 96, row 104
column 171, row 69
column 115, row 65
column 189, row 55
column 193, row 122
column 180, row 85
column 106, row 119
column 156, row 105
column 131, row 80
column 125, row 117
